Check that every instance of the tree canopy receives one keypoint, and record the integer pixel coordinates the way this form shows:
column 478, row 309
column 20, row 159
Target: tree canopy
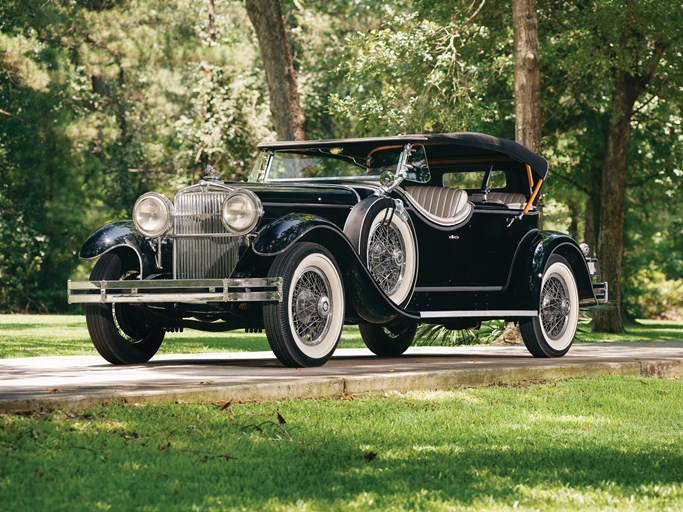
column 101, row 100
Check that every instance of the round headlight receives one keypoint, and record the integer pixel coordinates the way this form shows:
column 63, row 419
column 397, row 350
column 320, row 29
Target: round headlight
column 152, row 214
column 241, row 211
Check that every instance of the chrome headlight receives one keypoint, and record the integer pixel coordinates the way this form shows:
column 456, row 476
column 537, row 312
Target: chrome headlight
column 152, row 214
column 242, row 210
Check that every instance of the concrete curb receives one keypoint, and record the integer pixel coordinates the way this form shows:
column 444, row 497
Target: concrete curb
column 376, row 377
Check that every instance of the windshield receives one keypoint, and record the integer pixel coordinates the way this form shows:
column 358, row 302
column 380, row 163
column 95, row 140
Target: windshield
column 335, row 163
column 292, row 165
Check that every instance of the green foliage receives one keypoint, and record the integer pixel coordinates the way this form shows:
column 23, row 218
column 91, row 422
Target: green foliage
column 650, row 294
column 605, row 443
column 440, row 336
column 101, row 100
column 418, row 74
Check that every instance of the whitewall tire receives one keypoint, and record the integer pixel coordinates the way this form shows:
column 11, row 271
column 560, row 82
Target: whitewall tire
column 304, row 329
column 552, row 332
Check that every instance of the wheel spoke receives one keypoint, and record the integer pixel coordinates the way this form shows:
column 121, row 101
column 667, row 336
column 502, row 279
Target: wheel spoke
column 555, row 307
column 310, row 323
column 386, row 257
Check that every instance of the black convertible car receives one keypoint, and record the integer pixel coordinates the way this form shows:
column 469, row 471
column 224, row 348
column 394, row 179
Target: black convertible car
column 386, row 233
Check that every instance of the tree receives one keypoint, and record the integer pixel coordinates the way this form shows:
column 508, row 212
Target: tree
column 266, row 17
column 527, row 85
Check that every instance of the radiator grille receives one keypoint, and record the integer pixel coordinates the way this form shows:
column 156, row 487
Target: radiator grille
column 202, row 249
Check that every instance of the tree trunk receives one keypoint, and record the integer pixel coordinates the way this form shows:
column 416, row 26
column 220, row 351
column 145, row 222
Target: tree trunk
column 212, row 22
column 527, row 94
column 527, row 85
column 266, row 17
column 627, row 89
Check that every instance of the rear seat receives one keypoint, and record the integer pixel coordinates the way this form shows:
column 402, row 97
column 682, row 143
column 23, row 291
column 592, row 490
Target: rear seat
column 442, row 205
column 512, row 200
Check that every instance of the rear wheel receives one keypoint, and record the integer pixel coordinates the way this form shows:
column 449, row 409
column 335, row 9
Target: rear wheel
column 120, row 332
column 304, row 329
column 386, row 342
column 551, row 333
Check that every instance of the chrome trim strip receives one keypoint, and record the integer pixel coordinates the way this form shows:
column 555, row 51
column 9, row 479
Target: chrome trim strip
column 478, row 314
column 448, row 289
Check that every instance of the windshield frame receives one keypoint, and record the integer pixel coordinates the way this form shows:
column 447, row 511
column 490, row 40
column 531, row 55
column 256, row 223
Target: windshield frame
column 265, row 159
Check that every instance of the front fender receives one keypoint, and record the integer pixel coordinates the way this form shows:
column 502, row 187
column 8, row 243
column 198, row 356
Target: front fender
column 530, row 262
column 120, row 235
column 368, row 301
column 277, row 236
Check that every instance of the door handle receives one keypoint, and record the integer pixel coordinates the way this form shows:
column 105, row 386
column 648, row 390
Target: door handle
column 454, row 237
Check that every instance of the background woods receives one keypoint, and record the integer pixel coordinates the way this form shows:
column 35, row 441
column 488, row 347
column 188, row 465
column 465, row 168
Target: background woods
column 101, row 100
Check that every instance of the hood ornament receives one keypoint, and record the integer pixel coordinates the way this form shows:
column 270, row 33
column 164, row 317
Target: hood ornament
column 211, row 174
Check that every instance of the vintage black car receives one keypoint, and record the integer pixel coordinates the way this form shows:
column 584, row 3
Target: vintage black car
column 385, row 233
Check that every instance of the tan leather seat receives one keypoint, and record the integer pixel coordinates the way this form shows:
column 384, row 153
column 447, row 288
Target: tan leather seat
column 512, row 200
column 442, row 205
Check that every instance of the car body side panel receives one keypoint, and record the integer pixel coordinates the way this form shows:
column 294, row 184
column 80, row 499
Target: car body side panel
column 368, row 301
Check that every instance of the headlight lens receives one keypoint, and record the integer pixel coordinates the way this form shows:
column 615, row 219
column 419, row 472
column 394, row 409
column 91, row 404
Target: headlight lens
column 241, row 211
column 152, row 214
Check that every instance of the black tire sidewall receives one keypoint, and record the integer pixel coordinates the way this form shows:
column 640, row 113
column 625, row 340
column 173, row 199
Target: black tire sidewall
column 379, row 343
column 102, row 325
column 277, row 316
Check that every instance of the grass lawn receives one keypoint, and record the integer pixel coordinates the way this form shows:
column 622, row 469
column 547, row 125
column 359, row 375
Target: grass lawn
column 606, row 443
column 45, row 335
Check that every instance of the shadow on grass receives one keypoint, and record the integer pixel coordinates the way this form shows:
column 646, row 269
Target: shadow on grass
column 245, row 462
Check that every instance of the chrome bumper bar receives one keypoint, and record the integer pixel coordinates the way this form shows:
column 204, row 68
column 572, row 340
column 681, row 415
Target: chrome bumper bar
column 196, row 291
column 601, row 291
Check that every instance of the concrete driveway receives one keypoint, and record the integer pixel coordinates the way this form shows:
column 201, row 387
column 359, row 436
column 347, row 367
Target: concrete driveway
column 70, row 382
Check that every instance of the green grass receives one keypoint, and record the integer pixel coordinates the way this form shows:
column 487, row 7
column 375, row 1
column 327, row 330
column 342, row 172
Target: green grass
column 607, row 443
column 642, row 330
column 67, row 335
column 61, row 335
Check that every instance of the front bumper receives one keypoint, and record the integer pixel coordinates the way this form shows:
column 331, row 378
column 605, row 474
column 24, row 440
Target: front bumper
column 194, row 291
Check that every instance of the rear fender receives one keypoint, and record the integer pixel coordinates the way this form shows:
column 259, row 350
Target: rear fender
column 531, row 259
column 364, row 297
column 121, row 236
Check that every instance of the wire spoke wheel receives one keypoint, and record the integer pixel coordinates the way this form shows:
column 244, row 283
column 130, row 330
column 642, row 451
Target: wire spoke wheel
column 551, row 333
column 389, row 248
column 304, row 328
column 555, row 307
column 387, row 257
column 311, row 306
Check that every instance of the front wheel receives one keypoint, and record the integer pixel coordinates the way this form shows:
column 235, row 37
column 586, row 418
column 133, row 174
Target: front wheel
column 120, row 332
column 303, row 330
column 386, row 342
column 551, row 333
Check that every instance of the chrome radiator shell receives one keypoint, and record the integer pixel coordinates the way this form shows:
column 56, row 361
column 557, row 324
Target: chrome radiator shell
column 202, row 248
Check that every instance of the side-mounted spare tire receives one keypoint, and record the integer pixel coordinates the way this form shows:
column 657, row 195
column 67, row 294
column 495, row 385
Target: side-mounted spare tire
column 384, row 236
